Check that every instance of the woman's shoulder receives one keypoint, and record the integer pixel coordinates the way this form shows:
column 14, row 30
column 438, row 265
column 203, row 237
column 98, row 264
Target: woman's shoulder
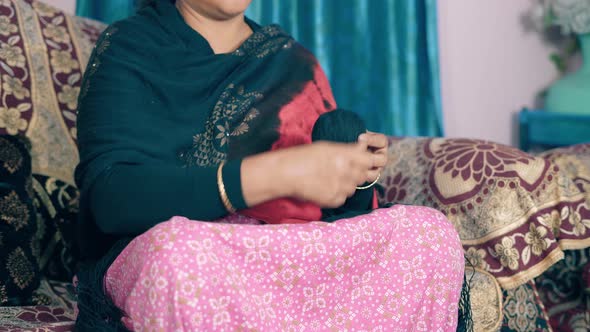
column 136, row 33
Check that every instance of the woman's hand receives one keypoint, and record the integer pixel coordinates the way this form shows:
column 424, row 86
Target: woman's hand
column 324, row 173
column 327, row 173
column 378, row 145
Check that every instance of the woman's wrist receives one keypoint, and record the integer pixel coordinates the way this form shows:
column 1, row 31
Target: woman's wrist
column 263, row 178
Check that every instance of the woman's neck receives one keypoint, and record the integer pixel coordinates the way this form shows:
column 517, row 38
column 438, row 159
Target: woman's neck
column 224, row 36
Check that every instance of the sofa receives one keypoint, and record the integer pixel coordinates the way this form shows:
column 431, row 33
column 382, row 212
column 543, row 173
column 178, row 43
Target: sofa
column 524, row 219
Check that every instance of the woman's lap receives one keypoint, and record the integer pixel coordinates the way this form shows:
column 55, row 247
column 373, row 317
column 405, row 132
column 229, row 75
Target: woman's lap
column 396, row 268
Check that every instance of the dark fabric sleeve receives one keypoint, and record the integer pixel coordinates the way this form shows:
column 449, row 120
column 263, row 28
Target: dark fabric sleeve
column 126, row 181
column 129, row 199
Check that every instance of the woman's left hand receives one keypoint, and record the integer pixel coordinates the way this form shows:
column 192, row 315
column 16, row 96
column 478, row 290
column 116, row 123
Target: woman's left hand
column 378, row 145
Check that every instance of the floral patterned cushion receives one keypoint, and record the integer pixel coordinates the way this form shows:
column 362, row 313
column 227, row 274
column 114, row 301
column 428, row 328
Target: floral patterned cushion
column 19, row 271
column 43, row 52
column 515, row 213
column 42, row 55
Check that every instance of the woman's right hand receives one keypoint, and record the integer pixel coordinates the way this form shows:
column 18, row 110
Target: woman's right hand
column 324, row 173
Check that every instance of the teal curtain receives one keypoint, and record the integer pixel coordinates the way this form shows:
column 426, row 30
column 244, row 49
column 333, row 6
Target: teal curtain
column 107, row 11
column 381, row 56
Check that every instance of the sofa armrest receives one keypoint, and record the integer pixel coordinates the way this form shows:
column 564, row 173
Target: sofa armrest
column 574, row 162
column 513, row 211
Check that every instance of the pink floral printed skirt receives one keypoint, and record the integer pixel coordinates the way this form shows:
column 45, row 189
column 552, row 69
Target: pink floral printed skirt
column 395, row 269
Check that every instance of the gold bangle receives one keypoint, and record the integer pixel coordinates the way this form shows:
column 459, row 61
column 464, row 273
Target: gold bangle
column 224, row 199
column 371, row 184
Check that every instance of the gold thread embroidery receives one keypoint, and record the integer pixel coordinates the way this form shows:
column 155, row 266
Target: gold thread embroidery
column 10, row 155
column 20, row 268
column 101, row 46
column 14, row 212
column 3, row 295
column 486, row 300
column 268, row 40
column 230, row 118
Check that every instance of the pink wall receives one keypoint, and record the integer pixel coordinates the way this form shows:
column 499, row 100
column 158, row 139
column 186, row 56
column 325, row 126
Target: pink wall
column 67, row 5
column 490, row 67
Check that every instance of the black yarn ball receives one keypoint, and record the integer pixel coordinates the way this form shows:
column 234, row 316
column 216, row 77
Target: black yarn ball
column 343, row 126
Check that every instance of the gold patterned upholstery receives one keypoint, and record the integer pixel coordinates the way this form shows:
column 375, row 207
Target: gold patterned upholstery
column 43, row 52
column 486, row 300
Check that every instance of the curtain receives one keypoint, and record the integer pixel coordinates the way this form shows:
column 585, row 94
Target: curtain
column 107, row 11
column 381, row 56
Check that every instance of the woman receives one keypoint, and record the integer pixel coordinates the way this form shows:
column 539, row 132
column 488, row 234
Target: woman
column 190, row 109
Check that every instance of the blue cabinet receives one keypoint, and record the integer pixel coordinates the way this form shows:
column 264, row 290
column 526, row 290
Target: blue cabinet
column 548, row 130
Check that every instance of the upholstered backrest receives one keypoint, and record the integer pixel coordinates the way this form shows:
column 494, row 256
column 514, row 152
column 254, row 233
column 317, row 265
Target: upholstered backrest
column 43, row 53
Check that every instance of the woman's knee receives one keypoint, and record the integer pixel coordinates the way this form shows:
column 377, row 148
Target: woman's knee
column 179, row 243
column 432, row 230
column 446, row 235
column 165, row 235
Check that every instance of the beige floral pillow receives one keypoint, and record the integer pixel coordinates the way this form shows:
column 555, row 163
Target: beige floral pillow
column 43, row 52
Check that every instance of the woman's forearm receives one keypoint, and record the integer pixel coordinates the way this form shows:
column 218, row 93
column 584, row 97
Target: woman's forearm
column 263, row 179
column 130, row 199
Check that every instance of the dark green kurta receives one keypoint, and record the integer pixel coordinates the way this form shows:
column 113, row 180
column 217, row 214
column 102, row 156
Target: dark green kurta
column 136, row 118
column 158, row 111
